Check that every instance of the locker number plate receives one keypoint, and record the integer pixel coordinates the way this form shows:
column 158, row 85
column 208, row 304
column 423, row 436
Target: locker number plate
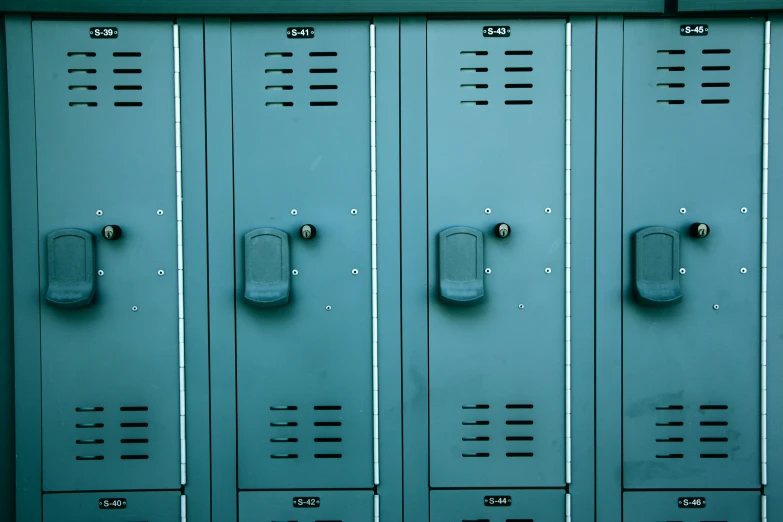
column 103, row 32
column 494, row 31
column 300, row 32
column 694, row 30
column 307, row 502
column 502, row 501
column 692, row 502
column 112, row 503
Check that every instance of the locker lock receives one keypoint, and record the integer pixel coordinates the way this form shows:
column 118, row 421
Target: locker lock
column 111, row 232
column 699, row 230
column 307, row 231
column 502, row 230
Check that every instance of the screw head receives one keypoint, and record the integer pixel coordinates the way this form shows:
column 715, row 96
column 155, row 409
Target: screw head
column 683, row 210
column 548, row 270
column 100, row 272
column 161, row 272
column 159, row 212
column 548, row 210
column 744, row 210
column 294, row 212
column 682, row 270
column 328, row 308
column 354, row 271
column 521, row 307
column 715, row 307
column 294, row 272
column 99, row 213
column 488, row 210
column 354, row 211
column 134, row 308
column 743, row 270
column 487, row 270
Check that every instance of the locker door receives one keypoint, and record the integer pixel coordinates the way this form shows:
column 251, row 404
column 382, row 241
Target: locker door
column 496, row 142
column 123, row 506
column 691, row 317
column 304, row 300
column 306, row 506
column 105, row 139
column 497, row 506
column 692, row 506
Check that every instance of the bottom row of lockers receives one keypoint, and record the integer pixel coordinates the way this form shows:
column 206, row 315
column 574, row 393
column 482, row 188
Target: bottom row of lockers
column 445, row 506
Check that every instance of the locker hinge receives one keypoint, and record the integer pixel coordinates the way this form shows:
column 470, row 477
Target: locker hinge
column 374, row 246
column 568, row 507
column 180, row 267
column 568, row 255
column 183, row 504
column 763, row 508
column 377, row 508
column 764, row 221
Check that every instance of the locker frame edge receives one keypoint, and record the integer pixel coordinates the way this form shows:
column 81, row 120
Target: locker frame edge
column 27, row 317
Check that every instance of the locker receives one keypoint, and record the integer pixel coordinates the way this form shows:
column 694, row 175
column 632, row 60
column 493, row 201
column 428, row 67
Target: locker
column 306, row 506
column 496, row 231
column 497, row 505
column 105, row 150
column 692, row 254
column 303, row 209
column 122, row 506
column 692, row 506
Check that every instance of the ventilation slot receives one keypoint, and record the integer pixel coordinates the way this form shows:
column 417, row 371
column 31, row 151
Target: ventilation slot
column 671, row 102
column 127, row 71
column 671, row 51
column 474, row 85
column 475, row 407
column 715, row 102
column 279, row 87
column 327, row 439
column 673, row 68
column 713, row 439
column 284, row 456
column 323, row 87
column 519, row 406
column 475, row 53
column 323, row 53
column 89, row 441
column 328, row 455
column 519, row 53
column 328, row 423
column 475, row 102
column 323, row 71
column 519, row 69
column 519, row 102
column 134, row 441
column 134, row 425
column 134, row 457
column 283, row 424
column 474, row 69
column 672, row 85
column 279, row 55
column 82, row 87
column 519, row 86
column 520, row 520
column 716, row 68
column 81, row 71
column 278, row 71
column 670, row 456
column 127, row 55
column 475, row 439
column 714, row 456
column 279, row 104
column 87, row 54
column 716, row 51
column 127, row 87
column 475, row 455
column 519, row 438
column 327, row 408
column 669, row 408
column 714, row 423
column 283, row 408
column 672, row 423
column 83, row 104
column 670, row 439
column 475, row 423
column 476, row 520
column 716, row 84
column 713, row 407
column 89, row 409
column 127, row 104
column 519, row 454
column 93, row 425
column 519, row 422
column 292, row 439
column 90, row 457
column 323, row 103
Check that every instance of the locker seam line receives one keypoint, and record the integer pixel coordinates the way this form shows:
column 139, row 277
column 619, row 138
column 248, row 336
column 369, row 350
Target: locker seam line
column 622, row 274
column 234, row 257
column 595, row 261
column 399, row 206
column 427, row 228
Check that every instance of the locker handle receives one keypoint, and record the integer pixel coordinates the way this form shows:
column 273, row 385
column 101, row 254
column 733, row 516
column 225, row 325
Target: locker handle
column 267, row 268
column 461, row 266
column 657, row 266
column 71, row 268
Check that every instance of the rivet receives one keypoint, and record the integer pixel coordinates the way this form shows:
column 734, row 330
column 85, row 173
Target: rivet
column 100, row 272
column 488, row 210
column 294, row 212
column 354, row 211
column 328, row 308
column 161, row 272
column 683, row 210
column 99, row 213
column 682, row 270
column 354, row 271
column 294, row 272
column 715, row 307
column 744, row 210
column 548, row 270
column 134, row 308
column 159, row 212
column 487, row 270
column 521, row 307
column 743, row 270
column 548, row 210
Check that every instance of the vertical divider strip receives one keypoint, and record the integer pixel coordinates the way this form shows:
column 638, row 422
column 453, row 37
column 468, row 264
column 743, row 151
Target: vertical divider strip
column 764, row 212
column 568, row 255
column 373, row 196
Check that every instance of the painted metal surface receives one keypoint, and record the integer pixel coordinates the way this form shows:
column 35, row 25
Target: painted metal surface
column 473, row 505
column 496, row 127
column 651, row 506
column 110, row 372
column 692, row 153
column 304, row 370
column 306, row 506
column 150, row 506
